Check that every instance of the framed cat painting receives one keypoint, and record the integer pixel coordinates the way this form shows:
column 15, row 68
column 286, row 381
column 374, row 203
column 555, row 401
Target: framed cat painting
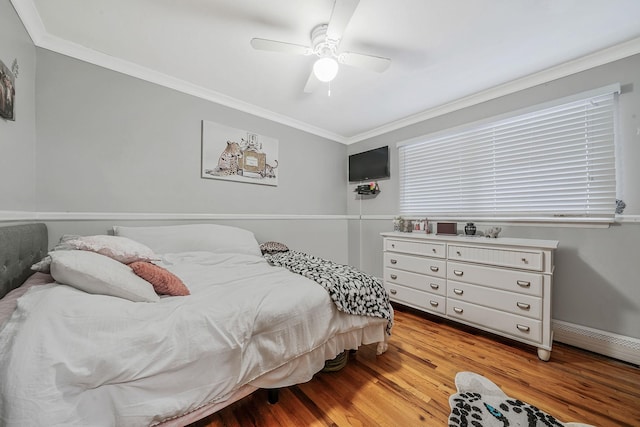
column 238, row 155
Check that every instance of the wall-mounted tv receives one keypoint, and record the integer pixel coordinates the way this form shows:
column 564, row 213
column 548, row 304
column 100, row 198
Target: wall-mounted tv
column 372, row 164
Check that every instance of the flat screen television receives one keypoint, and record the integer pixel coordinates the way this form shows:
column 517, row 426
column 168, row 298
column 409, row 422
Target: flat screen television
column 372, row 164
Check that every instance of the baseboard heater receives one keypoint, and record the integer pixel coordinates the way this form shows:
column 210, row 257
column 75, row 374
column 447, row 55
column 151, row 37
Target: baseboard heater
column 609, row 344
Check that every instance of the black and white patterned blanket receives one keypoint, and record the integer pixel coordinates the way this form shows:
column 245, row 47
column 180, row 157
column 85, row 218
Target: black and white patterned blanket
column 351, row 290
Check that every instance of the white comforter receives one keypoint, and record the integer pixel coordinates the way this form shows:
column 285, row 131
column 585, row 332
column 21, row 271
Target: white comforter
column 75, row 359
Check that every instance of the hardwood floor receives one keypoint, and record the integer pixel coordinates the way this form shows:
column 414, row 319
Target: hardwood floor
column 410, row 384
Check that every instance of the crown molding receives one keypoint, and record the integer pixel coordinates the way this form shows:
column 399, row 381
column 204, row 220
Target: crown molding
column 30, row 17
column 85, row 54
column 28, row 13
column 605, row 56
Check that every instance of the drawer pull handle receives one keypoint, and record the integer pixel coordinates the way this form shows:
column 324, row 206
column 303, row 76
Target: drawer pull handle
column 393, row 292
column 522, row 328
column 433, row 303
column 394, row 276
column 458, row 310
column 524, row 283
column 524, row 306
column 458, row 291
column 394, row 261
column 458, row 272
column 458, row 253
column 434, row 269
column 393, row 245
column 434, row 285
column 525, row 261
column 434, row 250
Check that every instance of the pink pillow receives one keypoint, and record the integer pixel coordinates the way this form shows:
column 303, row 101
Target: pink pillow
column 164, row 282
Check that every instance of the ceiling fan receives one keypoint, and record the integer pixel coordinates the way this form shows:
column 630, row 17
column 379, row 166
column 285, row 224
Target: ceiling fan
column 325, row 41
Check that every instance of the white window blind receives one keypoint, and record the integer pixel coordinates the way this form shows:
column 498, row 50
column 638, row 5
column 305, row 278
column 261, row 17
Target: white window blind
column 552, row 162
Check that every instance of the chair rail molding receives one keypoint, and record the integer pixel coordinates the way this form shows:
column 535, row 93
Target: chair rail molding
column 10, row 216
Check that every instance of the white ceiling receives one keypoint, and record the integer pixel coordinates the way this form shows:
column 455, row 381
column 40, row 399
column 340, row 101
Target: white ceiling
column 445, row 53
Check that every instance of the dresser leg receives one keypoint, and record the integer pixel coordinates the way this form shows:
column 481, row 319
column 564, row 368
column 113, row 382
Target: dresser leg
column 544, row 355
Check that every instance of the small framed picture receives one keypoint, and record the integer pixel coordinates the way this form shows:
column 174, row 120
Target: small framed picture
column 7, row 92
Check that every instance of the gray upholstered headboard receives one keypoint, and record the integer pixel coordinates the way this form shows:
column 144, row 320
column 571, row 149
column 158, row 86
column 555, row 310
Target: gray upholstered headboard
column 20, row 247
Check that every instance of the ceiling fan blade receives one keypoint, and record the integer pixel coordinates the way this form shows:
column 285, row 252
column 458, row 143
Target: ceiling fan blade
column 369, row 62
column 340, row 16
column 312, row 83
column 276, row 46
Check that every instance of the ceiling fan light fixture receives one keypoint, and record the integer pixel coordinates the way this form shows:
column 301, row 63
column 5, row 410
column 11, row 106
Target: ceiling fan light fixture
column 325, row 69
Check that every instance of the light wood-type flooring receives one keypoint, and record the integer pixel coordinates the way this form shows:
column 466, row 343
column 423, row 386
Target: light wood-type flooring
column 411, row 383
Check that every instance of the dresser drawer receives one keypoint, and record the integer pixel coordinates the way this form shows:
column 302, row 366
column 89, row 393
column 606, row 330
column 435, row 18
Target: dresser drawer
column 510, row 280
column 526, row 260
column 417, row 299
column 423, row 265
column 523, row 305
column 436, row 250
column 422, row 282
column 521, row 328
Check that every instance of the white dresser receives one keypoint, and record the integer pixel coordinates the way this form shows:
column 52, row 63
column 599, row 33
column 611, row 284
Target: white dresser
column 499, row 285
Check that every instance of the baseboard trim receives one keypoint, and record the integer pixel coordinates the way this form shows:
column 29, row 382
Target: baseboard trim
column 609, row 344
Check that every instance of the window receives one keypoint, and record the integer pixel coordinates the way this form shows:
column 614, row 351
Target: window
column 550, row 161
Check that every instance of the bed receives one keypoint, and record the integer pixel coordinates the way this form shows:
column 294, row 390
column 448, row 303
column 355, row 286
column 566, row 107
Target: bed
column 81, row 348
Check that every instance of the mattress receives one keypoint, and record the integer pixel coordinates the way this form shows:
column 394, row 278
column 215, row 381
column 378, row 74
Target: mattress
column 72, row 358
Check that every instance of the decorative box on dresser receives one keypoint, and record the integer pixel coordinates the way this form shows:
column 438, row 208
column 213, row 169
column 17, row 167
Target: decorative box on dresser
column 498, row 285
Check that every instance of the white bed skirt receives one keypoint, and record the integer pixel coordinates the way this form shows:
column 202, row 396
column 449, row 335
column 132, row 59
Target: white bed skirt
column 296, row 371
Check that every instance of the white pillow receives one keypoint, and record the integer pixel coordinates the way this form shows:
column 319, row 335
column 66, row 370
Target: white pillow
column 42, row 266
column 99, row 274
column 193, row 237
column 119, row 248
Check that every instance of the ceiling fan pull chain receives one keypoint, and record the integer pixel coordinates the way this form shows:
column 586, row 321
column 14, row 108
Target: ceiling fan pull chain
column 329, row 91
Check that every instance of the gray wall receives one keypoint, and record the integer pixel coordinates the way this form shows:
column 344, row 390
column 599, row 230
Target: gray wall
column 111, row 143
column 108, row 142
column 18, row 138
column 597, row 270
column 326, row 238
